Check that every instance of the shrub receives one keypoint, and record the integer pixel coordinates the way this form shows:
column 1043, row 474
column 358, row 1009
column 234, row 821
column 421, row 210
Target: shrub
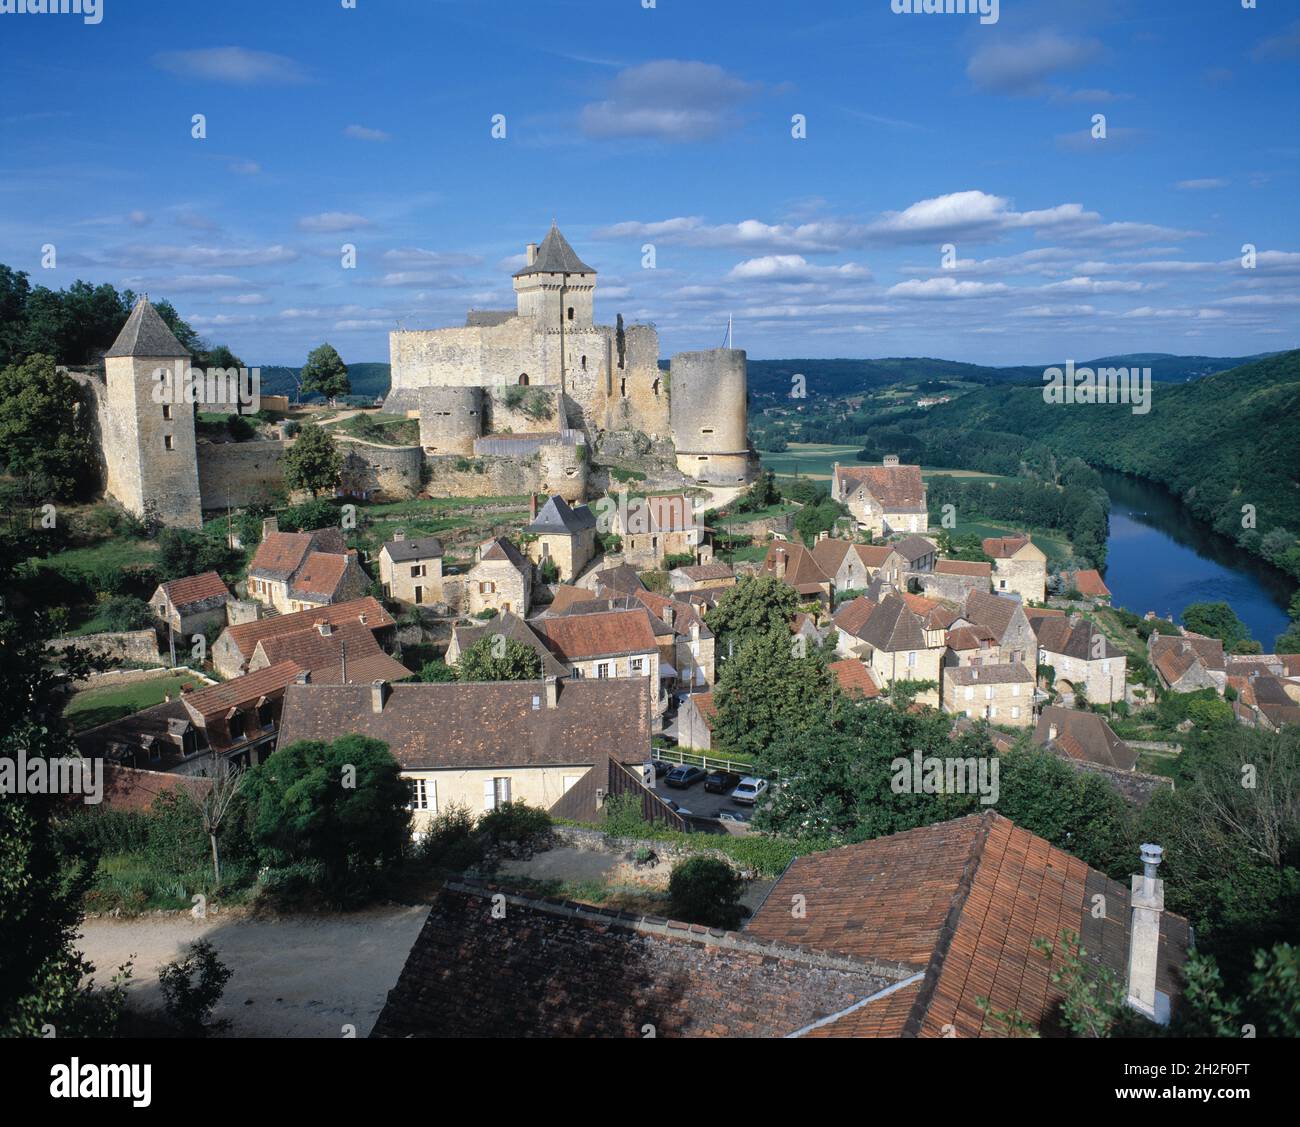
column 121, row 613
column 516, row 824
column 706, row 890
column 623, row 817
column 446, row 832
column 192, row 986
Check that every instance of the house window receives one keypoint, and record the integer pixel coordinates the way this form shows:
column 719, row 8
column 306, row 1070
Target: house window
column 419, row 594
column 988, row 692
column 570, row 312
column 577, row 673
column 911, row 660
column 417, row 570
column 1002, row 584
column 487, row 588
column 496, row 792
column 602, row 669
column 1105, row 666
column 1015, row 712
column 637, row 666
column 969, row 694
column 1015, row 690
column 169, row 443
column 424, row 795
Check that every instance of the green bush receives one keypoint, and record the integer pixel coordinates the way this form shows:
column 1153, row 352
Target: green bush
column 706, row 890
column 447, row 831
column 516, row 823
column 623, row 817
column 192, row 987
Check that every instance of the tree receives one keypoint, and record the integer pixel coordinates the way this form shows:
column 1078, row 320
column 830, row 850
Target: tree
column 122, row 612
column 1216, row 620
column 344, row 805
column 182, row 552
column 436, row 672
column 312, row 462
column 706, row 890
column 215, row 806
column 755, row 606
column 767, row 691
column 812, row 519
column 325, row 373
column 42, row 427
column 192, row 987
column 495, row 657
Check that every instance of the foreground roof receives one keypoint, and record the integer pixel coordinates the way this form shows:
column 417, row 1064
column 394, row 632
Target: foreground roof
column 897, row 488
column 1084, row 737
column 365, row 610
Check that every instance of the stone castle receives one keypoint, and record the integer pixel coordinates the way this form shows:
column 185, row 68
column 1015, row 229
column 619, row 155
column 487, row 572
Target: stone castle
column 512, row 402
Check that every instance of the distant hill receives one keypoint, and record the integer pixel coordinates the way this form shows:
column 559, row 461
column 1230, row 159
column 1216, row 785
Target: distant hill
column 367, row 379
column 835, row 378
column 1219, row 442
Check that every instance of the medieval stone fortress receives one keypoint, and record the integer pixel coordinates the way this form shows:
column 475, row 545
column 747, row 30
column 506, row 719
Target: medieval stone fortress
column 535, row 399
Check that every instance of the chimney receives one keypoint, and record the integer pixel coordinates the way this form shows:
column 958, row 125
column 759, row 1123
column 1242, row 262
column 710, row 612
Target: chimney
column 532, row 506
column 378, row 695
column 531, row 251
column 399, row 536
column 269, row 525
column 1147, row 898
column 600, row 797
column 668, row 614
column 552, row 692
column 779, row 560
column 890, row 460
column 695, row 631
column 1051, row 731
column 303, row 678
column 325, row 629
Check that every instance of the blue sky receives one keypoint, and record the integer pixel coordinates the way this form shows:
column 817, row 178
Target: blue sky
column 672, row 126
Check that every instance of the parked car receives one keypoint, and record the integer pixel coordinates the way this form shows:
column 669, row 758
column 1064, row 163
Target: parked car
column 684, row 775
column 736, row 817
column 661, row 768
column 749, row 790
column 719, row 782
column 677, row 808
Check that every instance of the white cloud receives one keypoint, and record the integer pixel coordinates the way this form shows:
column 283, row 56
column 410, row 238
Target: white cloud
column 793, row 268
column 669, row 100
column 331, row 221
column 236, row 65
column 821, row 237
column 1201, row 185
column 1019, row 66
column 971, row 214
column 362, row 133
column 945, row 288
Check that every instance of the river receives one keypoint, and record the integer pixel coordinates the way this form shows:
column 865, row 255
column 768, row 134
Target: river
column 1160, row 558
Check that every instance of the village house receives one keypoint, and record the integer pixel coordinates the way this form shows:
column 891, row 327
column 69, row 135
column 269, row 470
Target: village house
column 608, row 644
column 1007, row 620
column 1088, row 582
column 235, row 646
column 240, row 719
column 1082, row 658
column 919, row 554
column 854, row 679
column 654, row 528
column 1019, row 567
column 564, row 536
column 1083, row 737
column 902, row 937
column 849, row 566
column 511, row 628
column 848, row 621
column 1001, row 693
column 500, row 580
column 899, row 646
column 693, row 725
column 955, row 579
column 885, row 500
column 293, row 571
column 701, row 577
column 192, row 605
column 971, row 644
column 342, row 654
column 483, row 744
column 1265, row 701
column 411, row 570
column 690, row 653
column 1187, row 662
column 794, row 565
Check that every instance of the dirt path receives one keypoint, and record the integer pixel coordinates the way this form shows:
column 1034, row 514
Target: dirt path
column 294, row 976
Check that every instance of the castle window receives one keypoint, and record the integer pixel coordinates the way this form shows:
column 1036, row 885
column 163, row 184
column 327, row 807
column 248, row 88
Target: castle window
column 523, row 379
column 706, row 430
column 655, row 386
column 584, row 363
column 570, row 312
column 169, row 443
column 167, row 411
column 622, row 387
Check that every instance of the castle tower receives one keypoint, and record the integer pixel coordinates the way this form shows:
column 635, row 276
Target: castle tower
column 149, row 445
column 710, row 415
column 556, row 288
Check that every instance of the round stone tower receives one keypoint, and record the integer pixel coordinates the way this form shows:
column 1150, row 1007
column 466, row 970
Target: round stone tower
column 707, row 393
column 451, row 418
column 563, row 470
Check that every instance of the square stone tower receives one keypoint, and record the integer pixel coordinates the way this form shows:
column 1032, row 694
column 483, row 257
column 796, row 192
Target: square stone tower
column 149, row 447
column 556, row 287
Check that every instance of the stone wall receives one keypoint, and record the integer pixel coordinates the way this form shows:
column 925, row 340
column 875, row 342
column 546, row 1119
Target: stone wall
column 1136, row 786
column 138, row 646
column 557, row 468
column 384, row 473
column 238, row 474
column 135, row 676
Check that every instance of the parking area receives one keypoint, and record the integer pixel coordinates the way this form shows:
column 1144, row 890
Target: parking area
column 700, row 802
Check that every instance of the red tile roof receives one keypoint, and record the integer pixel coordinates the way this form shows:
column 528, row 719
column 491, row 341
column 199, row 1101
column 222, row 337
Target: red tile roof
column 897, row 488
column 320, row 575
column 1087, row 581
column 1004, row 547
column 217, row 700
column 964, row 567
column 193, row 589
column 580, row 637
column 348, row 647
column 246, row 635
column 854, row 679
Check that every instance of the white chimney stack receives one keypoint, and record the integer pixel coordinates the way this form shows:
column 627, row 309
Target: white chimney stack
column 378, row 694
column 552, row 692
column 1147, row 898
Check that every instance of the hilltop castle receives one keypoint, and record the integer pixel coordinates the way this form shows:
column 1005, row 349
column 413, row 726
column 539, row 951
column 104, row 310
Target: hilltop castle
column 512, row 402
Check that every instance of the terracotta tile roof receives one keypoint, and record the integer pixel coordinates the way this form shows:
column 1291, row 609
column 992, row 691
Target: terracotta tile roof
column 706, row 706
column 962, row 901
column 1291, row 662
column 885, row 1017
column 698, row 572
column 964, row 567
column 684, row 614
column 973, row 637
column 1004, row 547
column 854, row 678
column 216, row 701
column 246, row 635
column 349, row 646
column 487, row 724
column 993, row 611
column 1074, row 637
column 1088, row 581
column 873, row 555
column 572, row 970
column 581, row 637
column 195, row 589
column 896, row 488
column 1173, row 656
column 567, row 595
column 673, row 513
column 133, row 789
column 320, row 576
column 1084, row 736
column 801, row 569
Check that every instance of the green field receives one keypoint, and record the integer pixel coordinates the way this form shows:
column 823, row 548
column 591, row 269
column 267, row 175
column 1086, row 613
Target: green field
column 92, row 707
column 815, row 460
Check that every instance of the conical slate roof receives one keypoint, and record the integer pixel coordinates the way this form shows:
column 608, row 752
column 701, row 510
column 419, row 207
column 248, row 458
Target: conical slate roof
column 555, row 256
column 146, row 334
